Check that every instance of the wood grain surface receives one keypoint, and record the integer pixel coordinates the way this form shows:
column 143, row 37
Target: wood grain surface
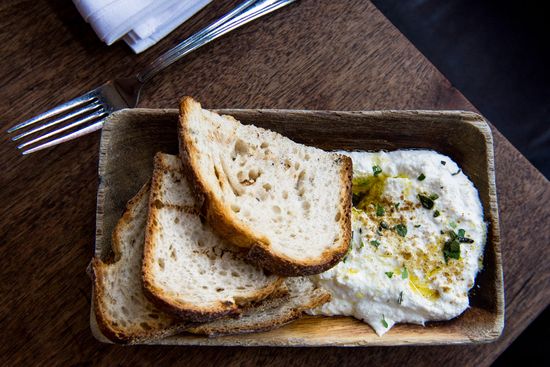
column 340, row 55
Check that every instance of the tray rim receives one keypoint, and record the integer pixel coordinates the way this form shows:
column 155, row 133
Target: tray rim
column 472, row 118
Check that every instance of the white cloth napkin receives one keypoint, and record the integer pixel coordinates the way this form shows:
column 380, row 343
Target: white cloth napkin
column 140, row 23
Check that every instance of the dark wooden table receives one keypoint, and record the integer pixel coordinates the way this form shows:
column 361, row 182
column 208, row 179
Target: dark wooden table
column 315, row 55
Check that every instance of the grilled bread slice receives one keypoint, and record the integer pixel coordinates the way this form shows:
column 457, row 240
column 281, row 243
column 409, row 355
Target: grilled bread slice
column 122, row 312
column 187, row 269
column 287, row 203
column 270, row 313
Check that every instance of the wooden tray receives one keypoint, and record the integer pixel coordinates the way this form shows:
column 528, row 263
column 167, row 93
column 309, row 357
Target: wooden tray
column 131, row 137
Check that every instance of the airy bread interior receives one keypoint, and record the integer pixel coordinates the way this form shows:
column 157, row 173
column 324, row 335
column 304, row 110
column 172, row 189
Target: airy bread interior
column 188, row 269
column 122, row 311
column 290, row 201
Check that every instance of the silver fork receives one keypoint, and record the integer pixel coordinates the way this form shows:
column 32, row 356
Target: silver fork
column 87, row 113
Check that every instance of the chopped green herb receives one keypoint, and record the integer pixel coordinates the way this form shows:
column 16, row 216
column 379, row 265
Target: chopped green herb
column 389, row 274
column 452, row 224
column 401, row 229
column 400, row 299
column 380, row 210
column 434, row 196
column 384, row 323
column 437, row 214
column 361, row 245
column 347, row 252
column 443, row 162
column 421, row 177
column 451, row 249
column 397, row 205
column 453, row 235
column 417, row 226
column 404, row 273
column 375, row 243
column 384, row 225
column 426, row 201
column 376, row 170
column 456, row 173
column 460, row 237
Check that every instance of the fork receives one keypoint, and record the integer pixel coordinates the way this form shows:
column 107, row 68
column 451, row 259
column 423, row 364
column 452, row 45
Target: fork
column 86, row 113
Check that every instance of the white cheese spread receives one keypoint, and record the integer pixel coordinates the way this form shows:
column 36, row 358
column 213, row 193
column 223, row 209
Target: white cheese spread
column 417, row 245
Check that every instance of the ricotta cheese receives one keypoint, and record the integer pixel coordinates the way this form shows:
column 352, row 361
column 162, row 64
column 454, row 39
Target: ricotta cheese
column 417, row 245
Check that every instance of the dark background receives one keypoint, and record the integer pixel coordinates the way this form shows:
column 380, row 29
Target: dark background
column 497, row 53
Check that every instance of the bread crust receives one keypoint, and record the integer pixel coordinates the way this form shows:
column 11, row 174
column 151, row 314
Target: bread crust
column 321, row 297
column 163, row 300
column 117, row 333
column 236, row 232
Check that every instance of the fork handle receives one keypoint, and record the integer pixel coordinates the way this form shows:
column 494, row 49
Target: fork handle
column 242, row 14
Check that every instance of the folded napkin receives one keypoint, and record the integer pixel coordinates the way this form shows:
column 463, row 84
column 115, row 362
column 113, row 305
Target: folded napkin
column 140, row 23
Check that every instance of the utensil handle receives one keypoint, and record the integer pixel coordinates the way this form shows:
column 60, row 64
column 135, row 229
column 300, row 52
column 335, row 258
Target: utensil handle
column 242, row 14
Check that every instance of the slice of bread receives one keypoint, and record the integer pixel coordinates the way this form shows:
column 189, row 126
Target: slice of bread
column 270, row 313
column 289, row 204
column 187, row 269
column 122, row 312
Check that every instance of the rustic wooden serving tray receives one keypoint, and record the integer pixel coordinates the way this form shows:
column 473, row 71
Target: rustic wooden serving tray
column 131, row 137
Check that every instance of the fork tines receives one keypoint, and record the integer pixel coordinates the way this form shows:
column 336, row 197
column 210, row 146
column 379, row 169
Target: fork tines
column 74, row 118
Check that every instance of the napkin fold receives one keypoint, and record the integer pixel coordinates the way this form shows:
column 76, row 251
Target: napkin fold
column 140, row 23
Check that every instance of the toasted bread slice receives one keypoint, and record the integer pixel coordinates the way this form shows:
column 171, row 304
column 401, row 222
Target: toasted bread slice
column 123, row 313
column 187, row 269
column 271, row 313
column 287, row 203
